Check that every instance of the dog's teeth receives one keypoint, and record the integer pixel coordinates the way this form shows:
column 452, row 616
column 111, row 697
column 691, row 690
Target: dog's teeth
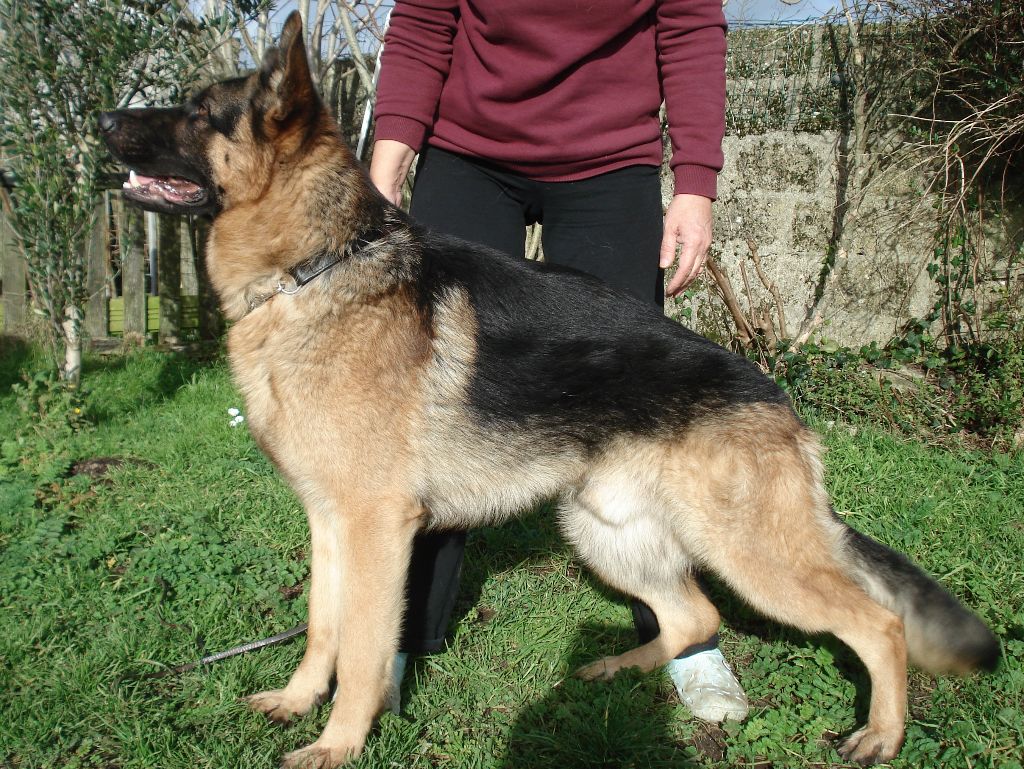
column 133, row 180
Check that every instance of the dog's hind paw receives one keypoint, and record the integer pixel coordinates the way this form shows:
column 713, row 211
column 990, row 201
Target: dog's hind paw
column 317, row 756
column 868, row 746
column 281, row 707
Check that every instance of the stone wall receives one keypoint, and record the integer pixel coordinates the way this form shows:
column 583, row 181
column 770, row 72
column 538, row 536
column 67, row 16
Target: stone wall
column 778, row 192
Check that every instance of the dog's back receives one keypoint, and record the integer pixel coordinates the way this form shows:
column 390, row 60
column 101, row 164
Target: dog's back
column 539, row 371
column 557, row 348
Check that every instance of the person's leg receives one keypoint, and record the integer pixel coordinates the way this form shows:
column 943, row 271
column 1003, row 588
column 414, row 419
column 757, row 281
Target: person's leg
column 610, row 226
column 457, row 197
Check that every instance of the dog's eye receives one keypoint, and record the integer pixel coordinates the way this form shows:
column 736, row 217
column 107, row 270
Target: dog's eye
column 202, row 110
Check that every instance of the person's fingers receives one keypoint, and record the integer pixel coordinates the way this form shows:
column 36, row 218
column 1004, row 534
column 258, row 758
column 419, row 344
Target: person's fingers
column 681, row 277
column 668, row 248
column 688, row 226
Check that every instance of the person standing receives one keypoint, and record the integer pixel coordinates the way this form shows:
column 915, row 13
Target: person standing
column 525, row 111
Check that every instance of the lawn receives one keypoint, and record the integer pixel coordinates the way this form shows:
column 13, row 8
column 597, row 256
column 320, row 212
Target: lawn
column 190, row 544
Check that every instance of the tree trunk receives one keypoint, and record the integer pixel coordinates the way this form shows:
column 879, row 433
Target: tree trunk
column 97, row 255
column 72, row 328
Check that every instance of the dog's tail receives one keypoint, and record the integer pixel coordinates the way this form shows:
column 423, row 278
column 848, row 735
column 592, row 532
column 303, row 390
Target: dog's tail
column 942, row 636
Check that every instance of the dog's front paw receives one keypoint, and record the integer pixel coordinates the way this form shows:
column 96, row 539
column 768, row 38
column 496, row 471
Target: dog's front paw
column 280, row 706
column 320, row 755
column 602, row 670
column 869, row 746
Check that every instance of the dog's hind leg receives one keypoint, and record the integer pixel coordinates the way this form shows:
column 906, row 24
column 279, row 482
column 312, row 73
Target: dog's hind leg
column 815, row 596
column 310, row 683
column 376, row 534
column 750, row 500
column 619, row 531
column 685, row 617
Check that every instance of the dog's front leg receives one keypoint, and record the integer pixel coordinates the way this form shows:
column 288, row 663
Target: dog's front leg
column 376, row 544
column 310, row 683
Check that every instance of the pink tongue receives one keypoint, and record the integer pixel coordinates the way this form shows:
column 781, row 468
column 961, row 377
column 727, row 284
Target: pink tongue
column 171, row 189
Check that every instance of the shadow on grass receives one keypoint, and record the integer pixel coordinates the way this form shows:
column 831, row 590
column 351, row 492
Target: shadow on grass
column 119, row 383
column 491, row 550
column 15, row 353
column 140, row 378
column 535, row 538
column 625, row 722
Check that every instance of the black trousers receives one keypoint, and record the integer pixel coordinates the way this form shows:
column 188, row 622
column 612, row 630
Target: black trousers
column 609, row 226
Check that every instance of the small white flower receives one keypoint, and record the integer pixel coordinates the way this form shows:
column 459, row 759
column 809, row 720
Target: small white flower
column 233, row 412
column 238, row 420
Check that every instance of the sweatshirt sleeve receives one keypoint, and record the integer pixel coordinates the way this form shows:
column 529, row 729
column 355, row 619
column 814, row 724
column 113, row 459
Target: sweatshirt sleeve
column 691, row 57
column 416, row 59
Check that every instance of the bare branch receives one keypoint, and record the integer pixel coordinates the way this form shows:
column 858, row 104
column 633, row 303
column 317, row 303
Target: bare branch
column 344, row 13
column 739, row 318
column 772, row 289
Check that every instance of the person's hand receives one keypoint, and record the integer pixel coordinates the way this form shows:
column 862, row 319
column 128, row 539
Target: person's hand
column 687, row 226
column 390, row 166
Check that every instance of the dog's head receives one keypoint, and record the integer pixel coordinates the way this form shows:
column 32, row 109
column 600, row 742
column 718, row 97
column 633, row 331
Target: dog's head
column 220, row 148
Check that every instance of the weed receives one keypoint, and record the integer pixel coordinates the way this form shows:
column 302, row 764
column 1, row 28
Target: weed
column 971, row 391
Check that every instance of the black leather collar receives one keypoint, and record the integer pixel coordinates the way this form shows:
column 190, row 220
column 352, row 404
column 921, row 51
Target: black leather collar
column 314, row 267
column 307, row 271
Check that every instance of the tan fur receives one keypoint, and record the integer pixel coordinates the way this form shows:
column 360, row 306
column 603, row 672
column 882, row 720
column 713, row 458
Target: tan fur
column 359, row 396
column 356, row 488
column 362, row 408
column 250, row 251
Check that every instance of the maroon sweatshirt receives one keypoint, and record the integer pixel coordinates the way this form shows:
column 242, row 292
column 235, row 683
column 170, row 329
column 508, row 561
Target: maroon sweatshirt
column 558, row 90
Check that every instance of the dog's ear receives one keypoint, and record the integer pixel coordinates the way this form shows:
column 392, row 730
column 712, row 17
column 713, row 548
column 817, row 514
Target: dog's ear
column 285, row 72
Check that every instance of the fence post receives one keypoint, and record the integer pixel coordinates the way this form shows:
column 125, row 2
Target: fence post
column 211, row 323
column 132, row 245
column 169, row 272
column 189, row 285
column 12, row 272
column 97, row 254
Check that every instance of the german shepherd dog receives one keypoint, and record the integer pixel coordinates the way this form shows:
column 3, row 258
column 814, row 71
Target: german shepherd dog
column 401, row 380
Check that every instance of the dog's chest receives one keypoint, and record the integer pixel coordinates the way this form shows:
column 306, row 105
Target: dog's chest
column 338, row 392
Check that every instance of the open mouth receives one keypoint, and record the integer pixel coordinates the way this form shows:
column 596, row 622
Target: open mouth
column 171, row 190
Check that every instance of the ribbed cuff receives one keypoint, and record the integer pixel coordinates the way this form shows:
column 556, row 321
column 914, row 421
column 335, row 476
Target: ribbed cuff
column 401, row 129
column 696, row 180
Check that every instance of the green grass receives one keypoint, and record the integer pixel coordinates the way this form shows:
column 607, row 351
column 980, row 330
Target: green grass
column 194, row 545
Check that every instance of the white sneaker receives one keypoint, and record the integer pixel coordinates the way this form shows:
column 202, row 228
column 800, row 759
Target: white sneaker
column 707, row 686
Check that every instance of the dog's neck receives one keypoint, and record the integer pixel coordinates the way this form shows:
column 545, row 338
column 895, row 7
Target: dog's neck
column 317, row 265
column 257, row 247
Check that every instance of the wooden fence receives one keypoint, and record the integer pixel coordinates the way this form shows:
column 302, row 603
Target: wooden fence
column 145, row 278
